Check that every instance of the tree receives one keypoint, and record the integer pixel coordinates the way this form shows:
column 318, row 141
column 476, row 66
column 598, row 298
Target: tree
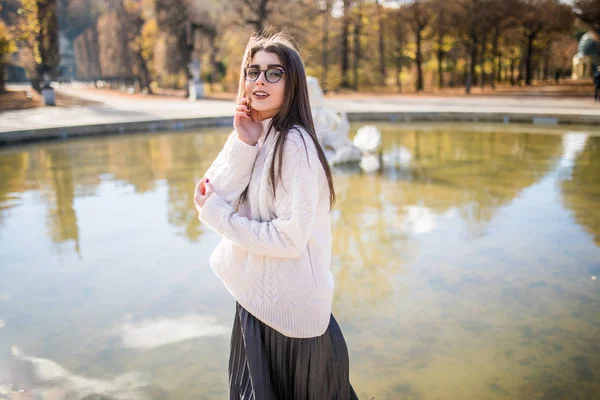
column 9, row 10
column 400, row 38
column 255, row 13
column 209, row 28
column 7, row 46
column 174, row 19
column 344, row 49
column 468, row 17
column 419, row 15
column 502, row 17
column 441, row 25
column 38, row 28
column 357, row 54
column 131, row 11
column 381, row 42
column 326, row 11
column 538, row 16
column 589, row 12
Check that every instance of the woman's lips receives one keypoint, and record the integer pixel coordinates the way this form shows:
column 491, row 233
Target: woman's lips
column 258, row 96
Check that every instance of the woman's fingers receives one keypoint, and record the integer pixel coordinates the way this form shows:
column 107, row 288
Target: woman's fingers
column 242, row 114
column 199, row 197
column 209, row 189
column 197, row 190
column 254, row 115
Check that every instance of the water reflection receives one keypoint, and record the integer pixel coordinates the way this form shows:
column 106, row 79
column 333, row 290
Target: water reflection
column 462, row 267
column 62, row 219
column 12, row 173
column 61, row 383
column 62, row 172
column 427, row 177
column 580, row 189
column 155, row 332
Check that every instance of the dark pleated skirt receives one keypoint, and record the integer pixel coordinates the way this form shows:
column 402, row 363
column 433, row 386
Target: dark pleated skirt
column 266, row 365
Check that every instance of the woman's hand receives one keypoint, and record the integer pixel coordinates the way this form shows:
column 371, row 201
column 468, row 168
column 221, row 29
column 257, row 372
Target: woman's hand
column 246, row 123
column 202, row 192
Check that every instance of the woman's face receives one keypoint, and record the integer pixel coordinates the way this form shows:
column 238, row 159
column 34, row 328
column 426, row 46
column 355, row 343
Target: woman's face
column 265, row 97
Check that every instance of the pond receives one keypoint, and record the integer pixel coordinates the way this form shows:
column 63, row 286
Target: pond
column 468, row 268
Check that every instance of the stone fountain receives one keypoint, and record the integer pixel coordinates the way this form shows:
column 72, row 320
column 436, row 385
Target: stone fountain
column 333, row 130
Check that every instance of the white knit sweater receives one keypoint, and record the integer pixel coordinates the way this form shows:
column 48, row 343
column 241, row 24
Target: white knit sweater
column 275, row 254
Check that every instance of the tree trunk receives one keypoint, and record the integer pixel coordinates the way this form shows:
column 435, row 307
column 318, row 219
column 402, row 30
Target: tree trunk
column 512, row 71
column 521, row 70
column 214, row 65
column 261, row 16
column 2, row 78
column 419, row 59
column 144, row 75
column 186, row 47
column 453, row 73
column 529, row 58
column 495, row 57
column 482, row 60
column 47, row 39
column 499, row 68
column 399, row 69
column 398, row 58
column 325, row 51
column 440, row 61
column 471, row 73
column 344, row 48
column 381, row 43
column 357, row 55
column 546, row 63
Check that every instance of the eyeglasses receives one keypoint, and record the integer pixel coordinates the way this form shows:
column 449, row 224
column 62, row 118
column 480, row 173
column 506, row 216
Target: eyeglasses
column 272, row 75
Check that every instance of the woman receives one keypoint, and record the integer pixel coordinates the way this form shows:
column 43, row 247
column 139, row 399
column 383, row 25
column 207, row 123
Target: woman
column 269, row 194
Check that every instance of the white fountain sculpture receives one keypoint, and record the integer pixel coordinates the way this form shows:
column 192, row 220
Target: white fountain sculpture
column 368, row 140
column 333, row 129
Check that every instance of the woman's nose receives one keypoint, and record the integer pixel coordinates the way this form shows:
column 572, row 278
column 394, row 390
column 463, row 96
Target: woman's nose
column 262, row 78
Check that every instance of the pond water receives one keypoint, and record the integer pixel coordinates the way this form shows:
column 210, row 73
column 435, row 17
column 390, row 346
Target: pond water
column 468, row 268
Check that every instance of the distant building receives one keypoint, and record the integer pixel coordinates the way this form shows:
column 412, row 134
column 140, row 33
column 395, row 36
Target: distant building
column 587, row 59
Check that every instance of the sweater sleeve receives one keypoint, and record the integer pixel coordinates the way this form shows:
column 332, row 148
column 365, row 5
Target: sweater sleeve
column 295, row 204
column 230, row 173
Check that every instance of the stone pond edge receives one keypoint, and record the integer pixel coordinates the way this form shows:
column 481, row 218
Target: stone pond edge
column 181, row 124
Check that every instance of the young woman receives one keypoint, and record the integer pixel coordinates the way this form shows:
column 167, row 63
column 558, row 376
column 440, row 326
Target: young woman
column 269, row 193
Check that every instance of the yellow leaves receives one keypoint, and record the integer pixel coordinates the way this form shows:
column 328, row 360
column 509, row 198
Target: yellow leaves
column 27, row 27
column 131, row 6
column 7, row 44
column 148, row 38
column 448, row 43
column 410, row 50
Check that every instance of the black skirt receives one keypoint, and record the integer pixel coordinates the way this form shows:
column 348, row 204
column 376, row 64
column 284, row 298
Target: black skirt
column 267, row 365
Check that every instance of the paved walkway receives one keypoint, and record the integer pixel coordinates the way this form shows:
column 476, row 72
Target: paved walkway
column 121, row 108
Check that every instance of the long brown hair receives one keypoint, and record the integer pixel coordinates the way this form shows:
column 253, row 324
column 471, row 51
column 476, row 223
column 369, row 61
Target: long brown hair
column 295, row 109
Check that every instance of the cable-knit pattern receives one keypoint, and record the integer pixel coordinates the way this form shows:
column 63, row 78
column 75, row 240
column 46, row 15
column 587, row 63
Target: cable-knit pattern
column 275, row 260
column 231, row 171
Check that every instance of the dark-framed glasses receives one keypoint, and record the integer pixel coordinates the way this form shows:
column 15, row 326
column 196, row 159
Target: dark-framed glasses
column 272, row 75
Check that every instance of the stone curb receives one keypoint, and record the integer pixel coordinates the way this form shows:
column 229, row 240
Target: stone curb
column 506, row 118
column 180, row 124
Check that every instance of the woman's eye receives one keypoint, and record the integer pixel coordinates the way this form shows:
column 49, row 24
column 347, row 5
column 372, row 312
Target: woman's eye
column 275, row 74
column 253, row 73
